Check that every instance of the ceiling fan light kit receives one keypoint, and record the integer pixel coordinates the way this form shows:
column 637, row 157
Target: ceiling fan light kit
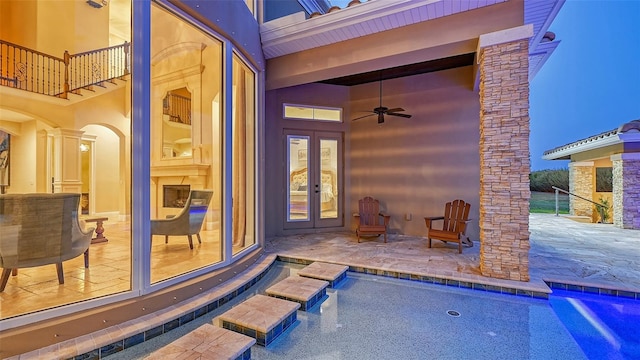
column 382, row 110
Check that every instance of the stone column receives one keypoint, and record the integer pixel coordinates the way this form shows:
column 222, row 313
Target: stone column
column 626, row 190
column 581, row 183
column 504, row 154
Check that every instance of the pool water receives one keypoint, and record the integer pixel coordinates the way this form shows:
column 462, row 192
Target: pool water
column 373, row 317
column 605, row 327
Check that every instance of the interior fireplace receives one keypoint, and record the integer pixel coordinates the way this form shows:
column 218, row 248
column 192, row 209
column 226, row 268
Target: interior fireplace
column 175, row 196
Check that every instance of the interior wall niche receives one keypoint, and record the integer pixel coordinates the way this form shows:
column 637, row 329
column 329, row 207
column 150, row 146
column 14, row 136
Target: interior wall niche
column 175, row 196
column 176, row 124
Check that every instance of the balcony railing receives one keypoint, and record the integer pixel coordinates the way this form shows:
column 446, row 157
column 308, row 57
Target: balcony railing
column 178, row 108
column 30, row 70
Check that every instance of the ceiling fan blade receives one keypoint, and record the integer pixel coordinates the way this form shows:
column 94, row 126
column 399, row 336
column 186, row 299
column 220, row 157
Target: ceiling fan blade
column 397, row 114
column 394, row 110
column 362, row 117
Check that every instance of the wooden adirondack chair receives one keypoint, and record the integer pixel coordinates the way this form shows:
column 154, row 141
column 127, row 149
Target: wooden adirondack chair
column 455, row 220
column 369, row 218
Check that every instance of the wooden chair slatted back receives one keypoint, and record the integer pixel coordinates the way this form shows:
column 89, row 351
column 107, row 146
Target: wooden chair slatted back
column 369, row 208
column 456, row 214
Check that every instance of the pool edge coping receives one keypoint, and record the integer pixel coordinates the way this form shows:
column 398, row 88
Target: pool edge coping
column 131, row 333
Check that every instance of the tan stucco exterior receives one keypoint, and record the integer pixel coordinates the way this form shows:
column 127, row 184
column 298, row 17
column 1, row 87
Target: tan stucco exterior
column 618, row 149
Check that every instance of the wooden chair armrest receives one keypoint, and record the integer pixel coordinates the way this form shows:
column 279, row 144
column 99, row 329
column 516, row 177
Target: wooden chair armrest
column 429, row 219
column 434, row 218
column 387, row 218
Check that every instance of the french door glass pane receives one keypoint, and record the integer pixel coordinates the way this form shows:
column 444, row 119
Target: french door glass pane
column 328, row 179
column 297, row 182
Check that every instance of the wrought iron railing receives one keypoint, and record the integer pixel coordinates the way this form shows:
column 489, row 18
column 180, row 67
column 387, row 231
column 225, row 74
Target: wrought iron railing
column 178, row 108
column 30, row 70
column 96, row 66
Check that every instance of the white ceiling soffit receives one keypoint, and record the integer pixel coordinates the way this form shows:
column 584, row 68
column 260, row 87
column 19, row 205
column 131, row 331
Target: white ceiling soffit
column 294, row 33
column 539, row 56
column 541, row 14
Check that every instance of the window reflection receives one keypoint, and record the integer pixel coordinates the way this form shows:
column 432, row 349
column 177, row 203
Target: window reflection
column 328, row 179
column 243, row 125
column 176, row 124
column 298, row 178
column 186, row 80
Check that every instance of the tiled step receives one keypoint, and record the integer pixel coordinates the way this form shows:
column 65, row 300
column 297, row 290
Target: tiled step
column 305, row 291
column 332, row 273
column 261, row 317
column 207, row 342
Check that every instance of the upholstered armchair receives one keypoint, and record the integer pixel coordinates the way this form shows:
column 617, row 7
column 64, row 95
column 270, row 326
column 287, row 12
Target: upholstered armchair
column 188, row 222
column 40, row 229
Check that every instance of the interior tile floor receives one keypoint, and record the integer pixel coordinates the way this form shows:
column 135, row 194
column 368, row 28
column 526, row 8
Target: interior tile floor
column 109, row 270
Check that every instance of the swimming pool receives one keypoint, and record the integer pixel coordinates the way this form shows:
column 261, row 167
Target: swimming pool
column 373, row 317
column 605, row 327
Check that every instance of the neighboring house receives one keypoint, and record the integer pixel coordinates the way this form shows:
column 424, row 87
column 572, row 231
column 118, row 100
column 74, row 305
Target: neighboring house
column 617, row 150
column 460, row 68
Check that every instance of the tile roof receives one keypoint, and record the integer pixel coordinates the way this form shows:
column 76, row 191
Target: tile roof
column 603, row 139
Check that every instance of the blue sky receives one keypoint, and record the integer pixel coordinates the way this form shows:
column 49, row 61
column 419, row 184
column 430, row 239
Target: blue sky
column 591, row 83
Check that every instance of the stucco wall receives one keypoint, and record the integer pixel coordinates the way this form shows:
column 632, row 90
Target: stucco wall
column 274, row 176
column 413, row 166
column 107, row 171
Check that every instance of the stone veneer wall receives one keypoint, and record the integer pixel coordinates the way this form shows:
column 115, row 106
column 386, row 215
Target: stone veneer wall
column 581, row 183
column 504, row 160
column 626, row 192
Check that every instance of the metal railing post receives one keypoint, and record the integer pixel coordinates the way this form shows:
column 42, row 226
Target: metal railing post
column 599, row 207
column 557, row 210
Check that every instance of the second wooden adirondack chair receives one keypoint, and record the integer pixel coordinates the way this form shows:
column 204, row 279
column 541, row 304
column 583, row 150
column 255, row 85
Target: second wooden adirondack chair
column 454, row 226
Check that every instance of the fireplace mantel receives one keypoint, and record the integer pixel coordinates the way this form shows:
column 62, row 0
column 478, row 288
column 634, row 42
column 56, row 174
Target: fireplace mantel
column 180, row 170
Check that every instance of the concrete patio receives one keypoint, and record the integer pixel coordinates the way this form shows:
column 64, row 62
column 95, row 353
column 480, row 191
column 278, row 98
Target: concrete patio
column 562, row 250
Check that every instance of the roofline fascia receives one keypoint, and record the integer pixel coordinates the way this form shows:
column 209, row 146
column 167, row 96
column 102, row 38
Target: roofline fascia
column 591, row 145
column 545, row 27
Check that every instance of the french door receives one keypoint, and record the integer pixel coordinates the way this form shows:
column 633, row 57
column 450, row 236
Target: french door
column 313, row 179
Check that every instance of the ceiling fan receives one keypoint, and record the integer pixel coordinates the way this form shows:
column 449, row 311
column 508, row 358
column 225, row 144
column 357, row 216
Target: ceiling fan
column 382, row 110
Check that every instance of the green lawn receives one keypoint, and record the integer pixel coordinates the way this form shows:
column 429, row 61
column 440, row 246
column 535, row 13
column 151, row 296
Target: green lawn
column 542, row 202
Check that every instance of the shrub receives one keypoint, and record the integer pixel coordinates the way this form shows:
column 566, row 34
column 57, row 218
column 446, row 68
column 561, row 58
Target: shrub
column 543, row 180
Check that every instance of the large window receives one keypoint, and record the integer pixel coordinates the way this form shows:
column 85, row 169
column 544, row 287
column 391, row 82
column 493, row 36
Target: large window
column 186, row 86
column 317, row 113
column 243, row 165
column 70, row 131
